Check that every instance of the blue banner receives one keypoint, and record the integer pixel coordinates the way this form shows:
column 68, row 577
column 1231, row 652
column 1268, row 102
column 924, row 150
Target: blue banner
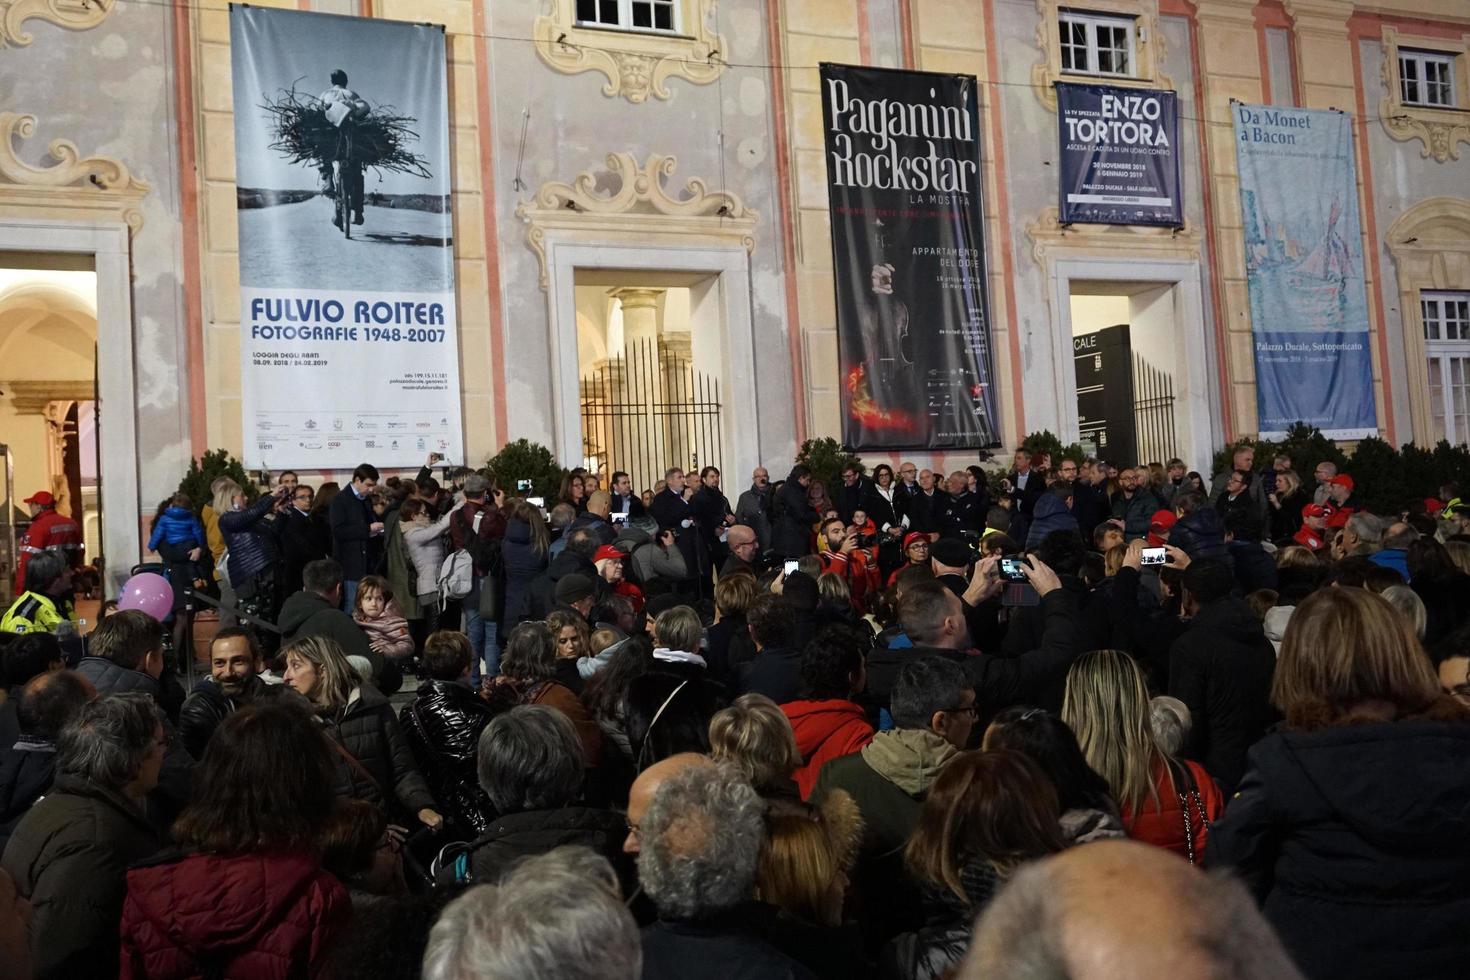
column 1304, row 271
column 1118, row 150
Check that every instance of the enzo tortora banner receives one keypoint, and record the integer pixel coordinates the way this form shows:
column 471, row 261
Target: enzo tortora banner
column 348, row 335
column 908, row 252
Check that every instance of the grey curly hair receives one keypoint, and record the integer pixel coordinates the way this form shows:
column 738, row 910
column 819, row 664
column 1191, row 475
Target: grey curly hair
column 702, row 838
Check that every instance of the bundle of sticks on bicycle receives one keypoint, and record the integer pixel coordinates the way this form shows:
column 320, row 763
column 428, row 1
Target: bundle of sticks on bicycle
column 380, row 140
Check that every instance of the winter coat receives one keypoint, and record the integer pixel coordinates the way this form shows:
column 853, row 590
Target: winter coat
column 1221, row 668
column 399, row 569
column 303, row 541
column 864, row 496
column 69, row 856
column 653, row 562
column 543, row 588
column 825, row 730
column 250, row 540
column 263, row 915
column 1200, row 535
column 427, row 549
column 753, row 509
column 932, row 952
column 523, row 564
column 1394, row 558
column 179, row 527
column 381, row 769
column 351, row 520
column 1025, row 677
column 925, row 511
column 964, row 512
column 729, row 946
column 1255, row 567
column 27, row 769
column 1356, row 839
column 442, row 726
column 1162, row 823
column 775, row 672
column 1051, row 514
column 601, row 529
column 1135, row 512
column 507, row 692
column 206, row 707
column 308, row 614
column 388, row 634
column 511, row 837
column 791, row 527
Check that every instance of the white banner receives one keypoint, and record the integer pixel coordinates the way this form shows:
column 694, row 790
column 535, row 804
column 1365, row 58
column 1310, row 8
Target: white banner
column 348, row 333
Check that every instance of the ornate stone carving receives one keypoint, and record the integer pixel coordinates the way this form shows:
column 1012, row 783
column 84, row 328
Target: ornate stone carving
column 1440, row 130
column 34, row 397
column 1047, row 234
column 637, row 63
column 94, row 183
column 74, row 15
column 1148, row 47
column 640, row 207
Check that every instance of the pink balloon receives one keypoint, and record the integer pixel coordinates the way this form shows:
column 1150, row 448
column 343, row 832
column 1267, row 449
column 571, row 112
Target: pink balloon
column 147, row 592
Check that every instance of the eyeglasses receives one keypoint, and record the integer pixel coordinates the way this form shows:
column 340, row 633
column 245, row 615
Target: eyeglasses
column 633, row 829
column 973, row 710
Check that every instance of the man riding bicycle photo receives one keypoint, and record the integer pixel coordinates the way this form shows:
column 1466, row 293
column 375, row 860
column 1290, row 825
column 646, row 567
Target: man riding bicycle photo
column 343, row 108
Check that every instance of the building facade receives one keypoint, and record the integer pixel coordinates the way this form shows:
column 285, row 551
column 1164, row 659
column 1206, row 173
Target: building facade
column 641, row 215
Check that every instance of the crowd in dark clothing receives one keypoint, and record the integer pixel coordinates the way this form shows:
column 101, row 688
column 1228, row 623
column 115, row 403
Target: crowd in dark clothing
column 817, row 733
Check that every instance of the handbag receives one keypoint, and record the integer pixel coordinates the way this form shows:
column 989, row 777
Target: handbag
column 1188, row 793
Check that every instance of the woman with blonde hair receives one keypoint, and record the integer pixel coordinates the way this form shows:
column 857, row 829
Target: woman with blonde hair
column 1353, row 824
column 1167, row 802
column 373, row 760
column 1284, row 506
column 756, row 735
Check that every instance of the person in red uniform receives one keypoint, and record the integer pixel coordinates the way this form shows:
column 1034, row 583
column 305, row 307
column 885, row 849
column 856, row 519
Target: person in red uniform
column 49, row 531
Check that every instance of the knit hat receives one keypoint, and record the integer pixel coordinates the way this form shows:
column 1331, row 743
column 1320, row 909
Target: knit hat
column 573, row 588
column 952, row 552
column 1162, row 521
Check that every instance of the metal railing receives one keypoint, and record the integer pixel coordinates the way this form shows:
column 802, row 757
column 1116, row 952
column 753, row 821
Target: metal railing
column 1153, row 412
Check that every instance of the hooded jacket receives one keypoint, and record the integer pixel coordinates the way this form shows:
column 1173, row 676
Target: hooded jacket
column 825, row 730
column 263, row 915
column 1356, row 839
column 1221, row 667
column 1200, row 535
column 1051, row 514
column 308, row 614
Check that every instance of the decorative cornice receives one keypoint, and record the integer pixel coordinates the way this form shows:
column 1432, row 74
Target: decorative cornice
column 640, row 207
column 636, row 63
column 32, row 397
column 1048, row 234
column 1439, row 130
column 74, row 15
column 94, row 183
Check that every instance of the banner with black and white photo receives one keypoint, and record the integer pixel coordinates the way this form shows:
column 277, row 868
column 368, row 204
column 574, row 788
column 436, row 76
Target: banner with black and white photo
column 908, row 253
column 1119, row 159
column 348, row 333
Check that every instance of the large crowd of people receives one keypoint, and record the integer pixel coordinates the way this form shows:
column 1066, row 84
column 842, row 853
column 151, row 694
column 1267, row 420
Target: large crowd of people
column 1073, row 720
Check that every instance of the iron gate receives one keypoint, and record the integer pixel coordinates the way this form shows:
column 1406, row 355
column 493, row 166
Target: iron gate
column 1153, row 412
column 644, row 411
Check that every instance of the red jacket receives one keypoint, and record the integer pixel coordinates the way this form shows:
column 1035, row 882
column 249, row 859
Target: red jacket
column 859, row 570
column 260, row 915
column 50, row 531
column 1163, row 825
column 825, row 730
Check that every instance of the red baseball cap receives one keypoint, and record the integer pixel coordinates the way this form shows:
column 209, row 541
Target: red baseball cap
column 1433, row 505
column 1314, row 510
column 912, row 537
column 608, row 551
column 42, row 497
column 1163, row 520
column 1342, row 480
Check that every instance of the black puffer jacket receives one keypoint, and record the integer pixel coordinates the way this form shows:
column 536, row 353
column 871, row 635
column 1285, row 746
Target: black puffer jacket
column 523, row 564
column 1201, row 535
column 791, row 529
column 1356, row 839
column 514, row 836
column 380, row 769
column 26, row 771
column 934, row 951
column 443, row 725
column 206, row 707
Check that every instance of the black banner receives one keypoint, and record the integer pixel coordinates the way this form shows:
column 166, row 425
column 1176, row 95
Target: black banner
column 908, row 255
column 1119, row 155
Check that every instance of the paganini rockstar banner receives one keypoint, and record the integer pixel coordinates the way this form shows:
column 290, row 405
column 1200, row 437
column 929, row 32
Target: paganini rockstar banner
column 348, row 334
column 1304, row 271
column 908, row 252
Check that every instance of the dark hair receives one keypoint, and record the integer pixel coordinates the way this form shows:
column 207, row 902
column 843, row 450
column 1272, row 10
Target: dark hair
column 1189, row 501
column 411, row 508
column 50, row 701
column 126, row 637
column 1209, row 580
column 1351, row 571
column 351, row 837
column 605, row 693
column 446, row 655
column 1047, row 740
column 339, row 77
column 830, row 661
column 530, row 653
column 923, row 609
column 1427, row 560
column 682, row 725
column 321, row 576
column 324, row 495
column 365, row 471
column 583, row 541
column 265, row 783
column 1063, row 551
column 1063, row 489
column 232, row 632
column 770, row 620
column 1382, row 577
column 880, row 468
column 925, row 685
column 998, row 518
column 797, row 472
column 43, row 570
column 28, row 655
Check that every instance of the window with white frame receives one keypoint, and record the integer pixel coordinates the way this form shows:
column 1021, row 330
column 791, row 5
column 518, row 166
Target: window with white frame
column 1447, row 347
column 630, row 15
column 1096, row 44
column 1426, row 77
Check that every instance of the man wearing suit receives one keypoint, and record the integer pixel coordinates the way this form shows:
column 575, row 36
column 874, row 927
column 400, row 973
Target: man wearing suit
column 354, row 529
column 712, row 512
column 624, row 500
column 926, row 507
column 673, row 513
column 1023, row 486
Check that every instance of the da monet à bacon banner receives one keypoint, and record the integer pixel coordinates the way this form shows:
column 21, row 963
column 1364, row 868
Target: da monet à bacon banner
column 913, row 322
column 1304, row 271
column 1119, row 155
column 349, row 345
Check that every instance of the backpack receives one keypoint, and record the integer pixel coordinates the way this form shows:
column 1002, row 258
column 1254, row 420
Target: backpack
column 457, row 573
